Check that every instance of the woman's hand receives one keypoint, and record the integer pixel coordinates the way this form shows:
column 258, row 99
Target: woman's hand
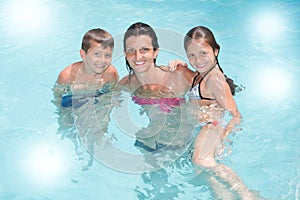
column 173, row 64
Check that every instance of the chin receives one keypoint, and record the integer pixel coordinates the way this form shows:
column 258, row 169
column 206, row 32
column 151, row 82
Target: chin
column 100, row 70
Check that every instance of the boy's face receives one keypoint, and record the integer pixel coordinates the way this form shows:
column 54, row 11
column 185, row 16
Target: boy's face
column 96, row 59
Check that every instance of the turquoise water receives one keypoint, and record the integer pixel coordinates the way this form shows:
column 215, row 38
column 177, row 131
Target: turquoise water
column 259, row 48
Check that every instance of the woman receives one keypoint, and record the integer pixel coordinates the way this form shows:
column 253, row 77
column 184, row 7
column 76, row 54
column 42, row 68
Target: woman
column 153, row 85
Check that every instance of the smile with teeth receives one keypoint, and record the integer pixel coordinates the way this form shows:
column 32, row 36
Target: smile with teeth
column 100, row 66
column 139, row 62
column 200, row 66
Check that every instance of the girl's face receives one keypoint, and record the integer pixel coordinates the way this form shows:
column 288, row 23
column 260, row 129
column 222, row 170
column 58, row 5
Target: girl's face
column 201, row 55
column 97, row 59
column 139, row 53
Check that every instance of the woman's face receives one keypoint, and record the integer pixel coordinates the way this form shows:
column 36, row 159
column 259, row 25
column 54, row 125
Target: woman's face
column 201, row 55
column 139, row 53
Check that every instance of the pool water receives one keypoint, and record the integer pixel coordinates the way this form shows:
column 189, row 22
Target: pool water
column 260, row 47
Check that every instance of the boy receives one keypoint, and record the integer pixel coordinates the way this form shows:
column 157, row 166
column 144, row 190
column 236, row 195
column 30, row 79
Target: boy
column 93, row 73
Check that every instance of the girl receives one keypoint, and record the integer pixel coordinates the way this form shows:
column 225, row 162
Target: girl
column 211, row 91
column 210, row 95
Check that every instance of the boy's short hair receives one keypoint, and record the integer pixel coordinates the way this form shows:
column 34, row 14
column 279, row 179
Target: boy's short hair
column 98, row 35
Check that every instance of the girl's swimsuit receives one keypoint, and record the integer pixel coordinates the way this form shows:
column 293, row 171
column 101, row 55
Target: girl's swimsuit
column 195, row 91
column 195, row 94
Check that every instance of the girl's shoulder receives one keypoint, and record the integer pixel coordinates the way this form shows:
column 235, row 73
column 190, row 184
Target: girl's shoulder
column 214, row 79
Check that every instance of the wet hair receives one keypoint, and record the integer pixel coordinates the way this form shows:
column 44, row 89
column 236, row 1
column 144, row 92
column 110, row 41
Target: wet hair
column 97, row 35
column 201, row 32
column 138, row 29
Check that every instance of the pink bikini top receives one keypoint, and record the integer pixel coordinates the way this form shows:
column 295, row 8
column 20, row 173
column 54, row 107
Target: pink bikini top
column 165, row 104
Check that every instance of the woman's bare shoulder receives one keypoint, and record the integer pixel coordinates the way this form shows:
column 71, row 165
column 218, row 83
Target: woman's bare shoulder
column 124, row 81
column 185, row 73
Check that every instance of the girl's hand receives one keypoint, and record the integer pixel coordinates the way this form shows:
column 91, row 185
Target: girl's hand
column 232, row 125
column 173, row 64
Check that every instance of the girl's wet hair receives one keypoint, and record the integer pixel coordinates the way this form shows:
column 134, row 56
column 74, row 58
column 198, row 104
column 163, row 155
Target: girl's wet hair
column 97, row 35
column 138, row 29
column 201, row 32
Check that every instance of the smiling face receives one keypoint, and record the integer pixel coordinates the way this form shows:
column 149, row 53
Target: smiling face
column 201, row 55
column 139, row 53
column 97, row 59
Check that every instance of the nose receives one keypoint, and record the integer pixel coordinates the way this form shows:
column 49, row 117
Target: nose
column 198, row 58
column 103, row 59
column 138, row 54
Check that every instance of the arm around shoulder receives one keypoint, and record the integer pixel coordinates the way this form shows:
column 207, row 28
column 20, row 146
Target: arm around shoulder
column 187, row 73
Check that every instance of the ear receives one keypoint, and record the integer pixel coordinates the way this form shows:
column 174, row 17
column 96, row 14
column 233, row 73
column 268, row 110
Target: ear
column 82, row 54
column 216, row 52
column 156, row 53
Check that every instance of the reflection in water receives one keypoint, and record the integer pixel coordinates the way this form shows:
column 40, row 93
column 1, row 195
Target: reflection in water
column 276, row 81
column 28, row 16
column 45, row 164
column 269, row 25
column 84, row 119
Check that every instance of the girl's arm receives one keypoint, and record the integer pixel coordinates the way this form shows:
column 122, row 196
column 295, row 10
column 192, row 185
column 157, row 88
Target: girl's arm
column 219, row 88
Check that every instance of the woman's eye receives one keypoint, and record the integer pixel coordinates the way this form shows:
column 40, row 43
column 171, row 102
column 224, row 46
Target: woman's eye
column 144, row 50
column 130, row 51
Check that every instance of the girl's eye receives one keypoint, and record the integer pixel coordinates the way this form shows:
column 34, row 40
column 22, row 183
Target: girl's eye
column 107, row 56
column 191, row 55
column 203, row 53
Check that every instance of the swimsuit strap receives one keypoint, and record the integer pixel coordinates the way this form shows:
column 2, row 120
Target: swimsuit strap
column 201, row 79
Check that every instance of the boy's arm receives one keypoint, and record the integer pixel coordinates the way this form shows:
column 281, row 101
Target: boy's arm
column 64, row 76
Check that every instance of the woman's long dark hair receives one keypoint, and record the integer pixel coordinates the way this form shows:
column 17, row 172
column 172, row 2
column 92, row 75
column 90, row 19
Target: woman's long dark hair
column 137, row 29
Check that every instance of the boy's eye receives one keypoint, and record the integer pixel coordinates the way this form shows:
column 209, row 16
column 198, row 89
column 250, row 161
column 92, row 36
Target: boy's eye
column 108, row 56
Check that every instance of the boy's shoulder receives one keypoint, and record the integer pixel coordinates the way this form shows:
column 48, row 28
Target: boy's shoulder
column 66, row 75
column 111, row 73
